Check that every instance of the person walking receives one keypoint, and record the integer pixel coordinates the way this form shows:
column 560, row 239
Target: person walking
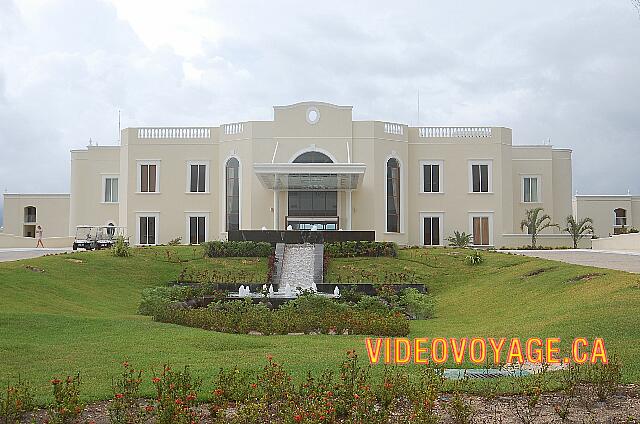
column 39, row 237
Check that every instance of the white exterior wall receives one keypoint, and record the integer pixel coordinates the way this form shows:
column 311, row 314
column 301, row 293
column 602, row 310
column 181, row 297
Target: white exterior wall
column 370, row 143
column 52, row 213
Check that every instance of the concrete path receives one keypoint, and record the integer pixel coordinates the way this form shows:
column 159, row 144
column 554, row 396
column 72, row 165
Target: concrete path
column 28, row 252
column 620, row 260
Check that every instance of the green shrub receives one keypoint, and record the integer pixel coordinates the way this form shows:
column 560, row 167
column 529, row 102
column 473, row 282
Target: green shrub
column 307, row 314
column 121, row 248
column 475, row 258
column 416, row 304
column 175, row 242
column 156, row 298
column 459, row 239
column 349, row 249
column 244, row 249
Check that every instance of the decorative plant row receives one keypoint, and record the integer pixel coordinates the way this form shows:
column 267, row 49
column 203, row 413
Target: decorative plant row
column 238, row 249
column 307, row 314
column 350, row 395
column 349, row 249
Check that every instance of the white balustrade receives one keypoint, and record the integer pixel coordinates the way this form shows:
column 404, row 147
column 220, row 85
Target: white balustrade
column 454, row 132
column 174, row 133
column 235, row 128
column 391, row 128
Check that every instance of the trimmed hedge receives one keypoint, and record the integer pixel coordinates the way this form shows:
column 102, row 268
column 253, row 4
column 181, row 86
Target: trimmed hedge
column 238, row 249
column 306, row 314
column 350, row 249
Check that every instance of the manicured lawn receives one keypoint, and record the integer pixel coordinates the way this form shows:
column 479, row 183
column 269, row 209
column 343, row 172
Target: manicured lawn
column 82, row 316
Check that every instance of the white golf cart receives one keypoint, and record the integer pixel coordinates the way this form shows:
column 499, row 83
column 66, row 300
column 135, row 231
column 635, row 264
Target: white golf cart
column 91, row 237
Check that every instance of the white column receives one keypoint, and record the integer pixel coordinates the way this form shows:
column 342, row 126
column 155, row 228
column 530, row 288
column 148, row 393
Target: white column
column 276, row 209
column 349, row 209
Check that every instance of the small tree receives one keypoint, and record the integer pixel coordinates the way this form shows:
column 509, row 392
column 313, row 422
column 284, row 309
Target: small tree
column 578, row 229
column 459, row 239
column 534, row 223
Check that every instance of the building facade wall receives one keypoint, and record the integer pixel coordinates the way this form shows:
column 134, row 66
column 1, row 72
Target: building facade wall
column 51, row 213
column 291, row 133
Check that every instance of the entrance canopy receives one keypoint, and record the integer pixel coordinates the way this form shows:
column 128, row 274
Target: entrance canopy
column 310, row 176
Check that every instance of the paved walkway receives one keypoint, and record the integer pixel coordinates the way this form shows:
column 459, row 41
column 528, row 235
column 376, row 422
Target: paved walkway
column 621, row 260
column 28, row 252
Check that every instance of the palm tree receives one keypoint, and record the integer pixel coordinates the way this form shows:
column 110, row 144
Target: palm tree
column 578, row 229
column 534, row 223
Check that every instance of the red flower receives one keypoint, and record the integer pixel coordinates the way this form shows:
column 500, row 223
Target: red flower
column 356, row 397
column 119, row 395
column 125, row 364
column 218, row 392
column 156, row 380
column 254, row 385
column 297, row 418
column 148, row 408
column 55, row 381
column 191, row 396
column 178, row 401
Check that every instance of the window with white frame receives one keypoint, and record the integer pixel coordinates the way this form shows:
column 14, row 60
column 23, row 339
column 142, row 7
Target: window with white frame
column 110, row 189
column 198, row 177
column 197, row 227
column 148, row 176
column 620, row 217
column 431, row 229
column 530, row 189
column 147, row 228
column 481, row 229
column 480, row 178
column 431, row 176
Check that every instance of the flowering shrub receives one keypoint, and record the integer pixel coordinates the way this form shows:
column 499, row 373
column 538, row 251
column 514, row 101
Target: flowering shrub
column 176, row 394
column 219, row 249
column 124, row 407
column 309, row 313
column 16, row 401
column 66, row 407
column 349, row 249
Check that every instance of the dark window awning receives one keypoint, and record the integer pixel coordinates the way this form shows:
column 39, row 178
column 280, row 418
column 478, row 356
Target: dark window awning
column 310, row 176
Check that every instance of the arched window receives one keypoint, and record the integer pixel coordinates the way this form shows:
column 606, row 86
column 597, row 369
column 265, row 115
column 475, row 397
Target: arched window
column 232, row 190
column 621, row 217
column 393, row 196
column 30, row 214
column 313, row 157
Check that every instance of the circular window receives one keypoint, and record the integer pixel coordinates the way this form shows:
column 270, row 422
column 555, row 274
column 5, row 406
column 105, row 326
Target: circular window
column 313, row 115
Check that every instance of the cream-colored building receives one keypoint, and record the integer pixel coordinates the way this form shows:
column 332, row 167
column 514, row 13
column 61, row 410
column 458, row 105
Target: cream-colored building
column 611, row 214
column 312, row 165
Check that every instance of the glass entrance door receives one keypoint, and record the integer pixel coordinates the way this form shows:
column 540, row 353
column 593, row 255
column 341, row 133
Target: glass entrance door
column 307, row 223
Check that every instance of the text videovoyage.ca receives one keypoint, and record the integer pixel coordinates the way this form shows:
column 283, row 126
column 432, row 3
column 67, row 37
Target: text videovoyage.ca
column 479, row 350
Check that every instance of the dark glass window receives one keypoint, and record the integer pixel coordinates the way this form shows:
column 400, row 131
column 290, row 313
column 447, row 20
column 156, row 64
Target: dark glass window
column 480, row 176
column 393, row 196
column 232, row 189
column 30, row 214
column 148, row 178
column 432, row 231
column 313, row 203
column 431, row 178
column 196, row 229
column 147, row 230
column 198, row 178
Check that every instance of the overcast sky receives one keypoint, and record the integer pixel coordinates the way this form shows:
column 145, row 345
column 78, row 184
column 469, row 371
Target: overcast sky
column 565, row 70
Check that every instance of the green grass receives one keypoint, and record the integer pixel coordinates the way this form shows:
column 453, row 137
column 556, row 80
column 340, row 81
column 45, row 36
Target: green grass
column 82, row 316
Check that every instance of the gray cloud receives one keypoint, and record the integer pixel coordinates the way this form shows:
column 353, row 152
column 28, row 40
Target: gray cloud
column 564, row 70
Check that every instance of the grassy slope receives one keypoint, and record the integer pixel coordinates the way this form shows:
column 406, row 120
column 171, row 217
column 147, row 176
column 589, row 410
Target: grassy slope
column 81, row 316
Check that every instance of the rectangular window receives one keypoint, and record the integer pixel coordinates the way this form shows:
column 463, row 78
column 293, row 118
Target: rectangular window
column 481, row 231
column 431, row 177
column 431, row 226
column 198, row 178
column 197, row 229
column 111, row 190
column 148, row 178
column 480, row 178
column 147, row 230
column 530, row 189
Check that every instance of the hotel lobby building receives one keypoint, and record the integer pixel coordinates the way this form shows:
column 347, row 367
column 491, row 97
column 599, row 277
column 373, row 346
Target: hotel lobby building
column 312, row 166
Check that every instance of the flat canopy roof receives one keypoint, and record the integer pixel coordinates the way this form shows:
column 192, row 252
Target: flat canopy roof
column 310, row 176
